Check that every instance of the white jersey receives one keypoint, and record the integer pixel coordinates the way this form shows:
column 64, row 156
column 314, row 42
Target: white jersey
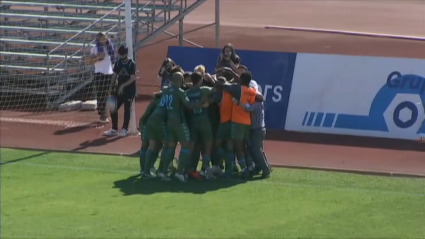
column 103, row 66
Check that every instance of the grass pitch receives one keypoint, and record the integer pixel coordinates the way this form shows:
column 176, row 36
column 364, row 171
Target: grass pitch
column 66, row 195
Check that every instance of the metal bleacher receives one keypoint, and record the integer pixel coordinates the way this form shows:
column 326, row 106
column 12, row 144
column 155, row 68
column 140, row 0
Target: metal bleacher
column 43, row 42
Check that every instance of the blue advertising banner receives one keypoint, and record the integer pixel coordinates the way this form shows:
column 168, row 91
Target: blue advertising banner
column 273, row 71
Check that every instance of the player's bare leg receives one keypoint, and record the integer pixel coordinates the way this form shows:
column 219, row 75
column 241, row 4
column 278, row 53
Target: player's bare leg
column 184, row 160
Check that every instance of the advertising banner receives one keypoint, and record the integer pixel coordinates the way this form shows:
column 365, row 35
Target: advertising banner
column 273, row 71
column 357, row 95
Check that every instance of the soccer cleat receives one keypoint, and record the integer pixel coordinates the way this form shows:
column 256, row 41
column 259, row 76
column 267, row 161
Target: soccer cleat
column 180, row 177
column 111, row 132
column 148, row 176
column 142, row 174
column 217, row 170
column 207, row 174
column 123, row 133
column 153, row 170
column 163, row 177
column 194, row 174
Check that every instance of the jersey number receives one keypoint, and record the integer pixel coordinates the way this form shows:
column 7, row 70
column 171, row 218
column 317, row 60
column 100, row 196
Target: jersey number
column 167, row 101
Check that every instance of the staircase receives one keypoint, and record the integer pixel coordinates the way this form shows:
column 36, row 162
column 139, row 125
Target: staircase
column 43, row 43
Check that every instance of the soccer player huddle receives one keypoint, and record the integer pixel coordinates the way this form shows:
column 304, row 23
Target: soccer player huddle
column 210, row 116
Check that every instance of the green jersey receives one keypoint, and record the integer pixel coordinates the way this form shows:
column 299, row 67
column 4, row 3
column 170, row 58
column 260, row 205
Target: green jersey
column 196, row 94
column 160, row 111
column 174, row 99
column 149, row 110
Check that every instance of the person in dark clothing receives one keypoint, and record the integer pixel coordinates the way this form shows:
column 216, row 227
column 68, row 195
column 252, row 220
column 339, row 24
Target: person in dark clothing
column 228, row 58
column 103, row 57
column 165, row 72
column 125, row 91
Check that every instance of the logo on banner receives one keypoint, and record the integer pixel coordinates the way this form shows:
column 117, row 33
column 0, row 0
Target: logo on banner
column 398, row 105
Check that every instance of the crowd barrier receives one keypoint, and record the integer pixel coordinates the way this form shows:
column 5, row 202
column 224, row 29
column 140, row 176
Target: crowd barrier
column 331, row 94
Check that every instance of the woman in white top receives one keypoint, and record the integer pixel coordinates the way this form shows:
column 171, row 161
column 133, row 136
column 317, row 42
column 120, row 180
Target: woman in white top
column 103, row 56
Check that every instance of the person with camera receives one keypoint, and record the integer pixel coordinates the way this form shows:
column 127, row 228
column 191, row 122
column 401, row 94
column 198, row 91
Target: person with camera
column 102, row 56
column 228, row 58
column 165, row 73
column 125, row 90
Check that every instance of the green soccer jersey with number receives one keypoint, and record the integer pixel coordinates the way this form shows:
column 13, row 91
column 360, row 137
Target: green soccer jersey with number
column 197, row 94
column 160, row 111
column 174, row 99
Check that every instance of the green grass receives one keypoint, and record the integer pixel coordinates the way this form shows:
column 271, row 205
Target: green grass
column 65, row 195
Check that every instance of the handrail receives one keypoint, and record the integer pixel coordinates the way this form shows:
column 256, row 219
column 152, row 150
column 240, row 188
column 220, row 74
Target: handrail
column 85, row 29
column 82, row 48
column 176, row 36
column 173, row 35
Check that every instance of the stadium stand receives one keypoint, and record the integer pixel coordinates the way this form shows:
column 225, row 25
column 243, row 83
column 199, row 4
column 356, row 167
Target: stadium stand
column 43, row 44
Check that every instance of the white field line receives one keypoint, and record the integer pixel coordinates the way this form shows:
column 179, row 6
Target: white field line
column 354, row 33
column 281, row 183
column 310, row 29
column 67, row 124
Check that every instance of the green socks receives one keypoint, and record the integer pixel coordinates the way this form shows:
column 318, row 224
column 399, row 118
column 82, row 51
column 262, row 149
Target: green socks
column 142, row 159
column 184, row 158
column 206, row 162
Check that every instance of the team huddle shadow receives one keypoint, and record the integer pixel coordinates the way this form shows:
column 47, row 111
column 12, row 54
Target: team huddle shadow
column 136, row 185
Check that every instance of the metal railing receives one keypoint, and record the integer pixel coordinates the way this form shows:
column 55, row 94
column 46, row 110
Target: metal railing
column 80, row 33
column 136, row 13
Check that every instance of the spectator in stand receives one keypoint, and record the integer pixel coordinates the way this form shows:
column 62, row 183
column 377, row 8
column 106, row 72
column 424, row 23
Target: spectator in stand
column 103, row 56
column 228, row 58
column 165, row 72
column 187, row 76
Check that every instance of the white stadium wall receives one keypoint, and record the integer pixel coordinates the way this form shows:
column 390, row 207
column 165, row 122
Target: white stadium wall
column 349, row 95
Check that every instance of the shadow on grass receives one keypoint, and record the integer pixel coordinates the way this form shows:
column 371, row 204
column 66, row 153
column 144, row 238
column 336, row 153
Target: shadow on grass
column 135, row 185
column 24, row 158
